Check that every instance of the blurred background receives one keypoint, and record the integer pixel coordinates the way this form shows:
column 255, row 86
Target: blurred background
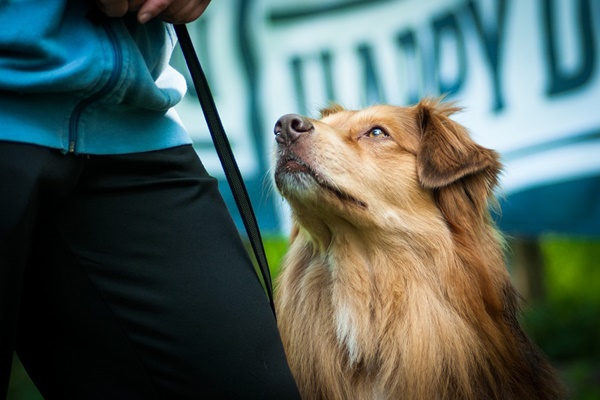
column 527, row 73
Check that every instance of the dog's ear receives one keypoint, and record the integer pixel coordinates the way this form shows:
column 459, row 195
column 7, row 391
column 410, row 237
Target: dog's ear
column 331, row 109
column 446, row 151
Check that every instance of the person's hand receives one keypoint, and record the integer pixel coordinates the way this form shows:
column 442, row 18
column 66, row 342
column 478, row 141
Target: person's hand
column 173, row 11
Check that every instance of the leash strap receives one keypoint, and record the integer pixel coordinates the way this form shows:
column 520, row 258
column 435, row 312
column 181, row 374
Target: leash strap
column 232, row 171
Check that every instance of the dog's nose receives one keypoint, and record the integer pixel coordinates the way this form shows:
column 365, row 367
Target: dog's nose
column 290, row 127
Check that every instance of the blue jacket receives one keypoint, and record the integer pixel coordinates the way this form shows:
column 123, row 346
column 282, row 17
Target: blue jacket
column 84, row 86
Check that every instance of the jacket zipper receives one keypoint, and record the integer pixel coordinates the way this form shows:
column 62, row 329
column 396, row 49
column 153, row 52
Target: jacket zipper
column 110, row 84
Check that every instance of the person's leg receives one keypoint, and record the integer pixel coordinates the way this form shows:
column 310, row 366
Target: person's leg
column 143, row 281
column 32, row 180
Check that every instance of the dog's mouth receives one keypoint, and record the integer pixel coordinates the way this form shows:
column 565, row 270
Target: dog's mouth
column 291, row 164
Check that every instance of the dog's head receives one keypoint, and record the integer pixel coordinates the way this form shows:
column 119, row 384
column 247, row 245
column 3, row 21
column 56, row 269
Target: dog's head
column 382, row 165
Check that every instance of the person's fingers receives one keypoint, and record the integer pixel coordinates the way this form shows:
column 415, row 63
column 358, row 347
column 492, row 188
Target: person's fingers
column 135, row 5
column 174, row 11
column 188, row 12
column 113, row 8
column 151, row 9
column 177, row 12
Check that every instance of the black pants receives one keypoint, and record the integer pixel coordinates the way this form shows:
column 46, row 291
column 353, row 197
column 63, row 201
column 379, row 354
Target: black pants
column 123, row 277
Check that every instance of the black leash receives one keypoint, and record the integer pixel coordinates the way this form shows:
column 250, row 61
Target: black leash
column 232, row 171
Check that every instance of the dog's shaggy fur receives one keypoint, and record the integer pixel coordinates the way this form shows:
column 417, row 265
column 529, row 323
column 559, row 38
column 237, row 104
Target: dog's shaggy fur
column 395, row 286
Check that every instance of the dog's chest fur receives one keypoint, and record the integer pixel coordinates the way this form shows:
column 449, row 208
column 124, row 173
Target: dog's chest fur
column 355, row 307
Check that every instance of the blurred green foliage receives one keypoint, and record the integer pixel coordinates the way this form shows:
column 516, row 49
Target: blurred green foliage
column 275, row 248
column 20, row 387
column 566, row 324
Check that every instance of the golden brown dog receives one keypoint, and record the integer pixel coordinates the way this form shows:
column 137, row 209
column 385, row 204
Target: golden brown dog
column 395, row 286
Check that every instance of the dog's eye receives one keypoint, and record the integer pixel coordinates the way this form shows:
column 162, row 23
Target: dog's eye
column 377, row 133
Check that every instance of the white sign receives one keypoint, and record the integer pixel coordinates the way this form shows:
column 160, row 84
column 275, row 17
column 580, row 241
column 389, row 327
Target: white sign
column 527, row 73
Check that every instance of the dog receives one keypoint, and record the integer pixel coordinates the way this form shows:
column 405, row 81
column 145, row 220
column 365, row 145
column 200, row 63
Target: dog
column 394, row 285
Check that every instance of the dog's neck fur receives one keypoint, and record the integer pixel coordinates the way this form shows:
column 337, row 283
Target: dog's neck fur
column 451, row 331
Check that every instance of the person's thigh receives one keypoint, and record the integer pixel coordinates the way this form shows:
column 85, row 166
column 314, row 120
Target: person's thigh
column 142, row 281
column 32, row 180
